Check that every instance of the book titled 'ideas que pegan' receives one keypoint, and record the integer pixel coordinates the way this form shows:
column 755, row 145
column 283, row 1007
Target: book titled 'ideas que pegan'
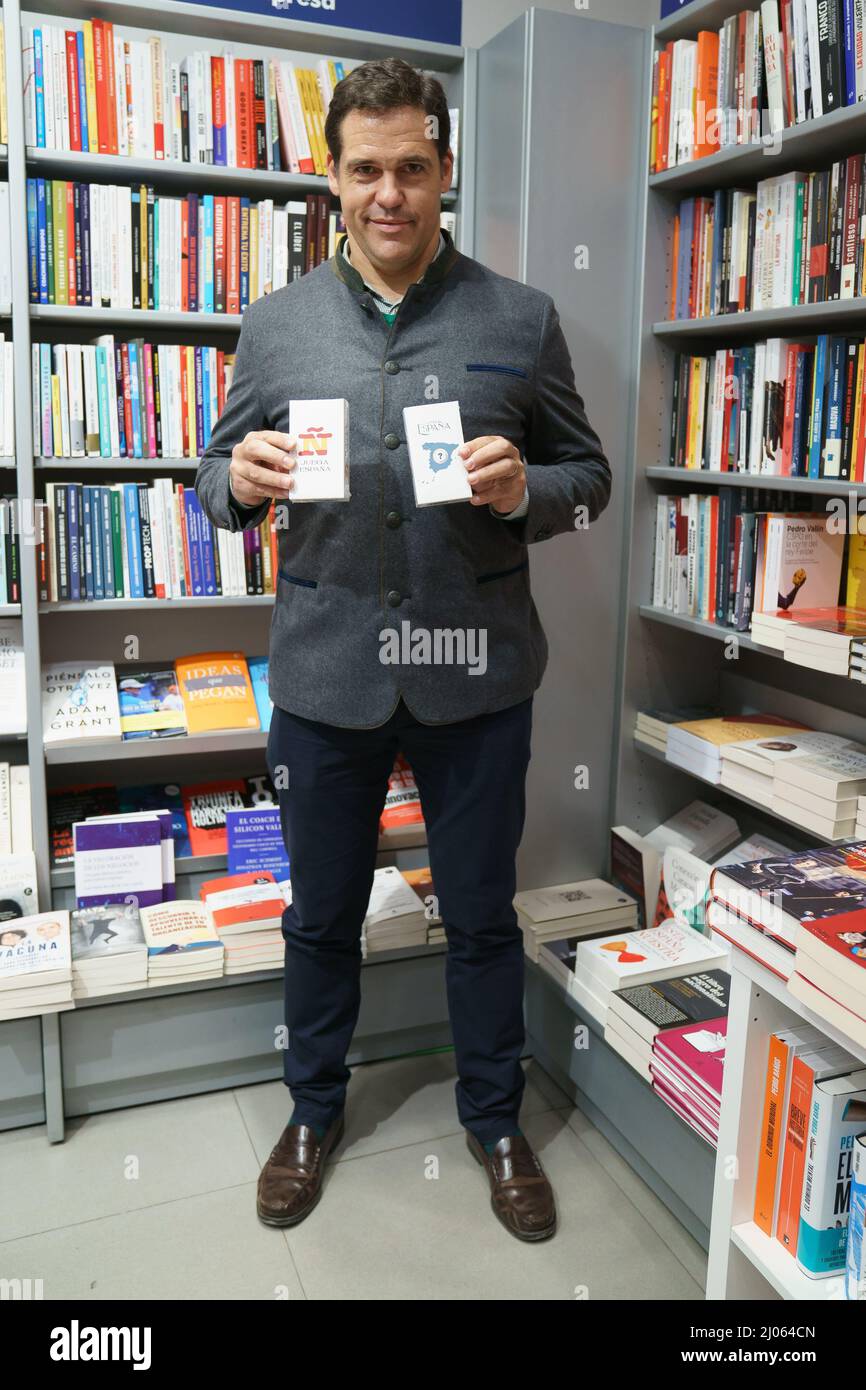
column 217, row 692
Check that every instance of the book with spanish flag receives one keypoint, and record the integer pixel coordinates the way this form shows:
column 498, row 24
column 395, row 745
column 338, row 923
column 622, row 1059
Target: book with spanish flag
column 217, row 692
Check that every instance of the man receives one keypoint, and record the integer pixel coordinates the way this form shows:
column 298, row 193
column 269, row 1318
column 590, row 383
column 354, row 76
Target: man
column 399, row 317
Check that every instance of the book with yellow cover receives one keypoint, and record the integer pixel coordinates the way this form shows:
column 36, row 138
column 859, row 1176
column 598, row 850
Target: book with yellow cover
column 217, row 692
column 309, row 112
column 90, row 88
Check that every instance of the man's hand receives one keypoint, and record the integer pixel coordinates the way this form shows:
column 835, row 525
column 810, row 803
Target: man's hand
column 260, row 465
column 496, row 472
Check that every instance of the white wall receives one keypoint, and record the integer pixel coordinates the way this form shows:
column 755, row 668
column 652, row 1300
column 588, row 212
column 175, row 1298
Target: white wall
column 484, row 18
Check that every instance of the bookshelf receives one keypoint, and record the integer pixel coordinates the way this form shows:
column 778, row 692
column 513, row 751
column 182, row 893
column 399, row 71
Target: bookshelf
column 90, row 1059
column 671, row 659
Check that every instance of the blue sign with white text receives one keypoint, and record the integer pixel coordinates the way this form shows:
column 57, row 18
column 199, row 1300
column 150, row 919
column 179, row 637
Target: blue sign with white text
column 670, row 7
column 411, row 19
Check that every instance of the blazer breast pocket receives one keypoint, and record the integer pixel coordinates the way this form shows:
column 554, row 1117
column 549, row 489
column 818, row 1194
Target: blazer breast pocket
column 502, row 367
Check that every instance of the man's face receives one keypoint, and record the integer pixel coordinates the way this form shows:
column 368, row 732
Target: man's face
column 390, row 183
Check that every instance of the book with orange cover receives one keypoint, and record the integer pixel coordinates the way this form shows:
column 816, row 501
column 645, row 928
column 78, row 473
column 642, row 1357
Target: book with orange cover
column 706, row 94
column 785, row 1045
column 402, row 814
column 805, row 1070
column 217, row 692
column 244, row 902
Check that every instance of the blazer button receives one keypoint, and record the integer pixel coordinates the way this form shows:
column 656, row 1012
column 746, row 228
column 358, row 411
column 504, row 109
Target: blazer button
column 393, row 519
column 394, row 598
column 392, row 441
column 392, row 368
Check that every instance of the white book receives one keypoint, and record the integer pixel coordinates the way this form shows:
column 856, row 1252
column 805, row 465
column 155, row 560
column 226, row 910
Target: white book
column 176, row 146
column 106, row 340
column 76, row 400
column 434, row 433
column 281, row 248
column 802, row 78
column 5, row 248
column 5, row 812
column 22, row 828
column 13, row 692
column 61, row 373
column 79, row 702
column 321, row 428
column 29, row 79
column 124, row 271
column 120, row 98
column 8, row 401
column 773, row 61
column 207, row 107
column 91, row 401
column 231, row 133
column 659, row 556
column 61, row 101
column 814, row 52
column 296, row 114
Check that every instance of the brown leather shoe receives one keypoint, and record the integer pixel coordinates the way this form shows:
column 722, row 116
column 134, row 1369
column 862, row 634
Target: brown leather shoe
column 521, row 1195
column 290, row 1184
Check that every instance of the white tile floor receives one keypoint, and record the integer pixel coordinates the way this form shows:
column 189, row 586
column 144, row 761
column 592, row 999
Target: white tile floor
column 159, row 1202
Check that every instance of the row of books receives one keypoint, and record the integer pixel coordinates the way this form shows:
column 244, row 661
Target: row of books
column 719, row 558
column 91, row 90
column 148, row 541
column 116, row 944
column 235, row 817
column 129, row 247
column 203, row 693
column 804, row 914
column 129, row 399
column 779, row 406
column 805, row 776
column 797, row 239
column 763, row 70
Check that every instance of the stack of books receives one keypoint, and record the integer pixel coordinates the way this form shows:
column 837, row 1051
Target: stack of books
column 395, row 917
column 696, row 746
column 35, row 965
column 688, row 1071
column 820, row 792
column 109, row 953
column 569, row 911
column 822, row 639
column 762, row 906
column 641, row 1015
column 857, row 665
column 7, row 394
column 127, row 857
column 421, row 883
column 830, row 971
column 182, row 943
column 402, row 820
column 652, row 725
column 247, row 910
column 749, row 768
column 606, row 964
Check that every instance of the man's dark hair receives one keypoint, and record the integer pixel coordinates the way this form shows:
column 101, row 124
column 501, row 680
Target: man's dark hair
column 384, row 84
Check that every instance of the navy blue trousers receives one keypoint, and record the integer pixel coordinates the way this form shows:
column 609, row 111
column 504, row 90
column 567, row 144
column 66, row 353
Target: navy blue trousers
column 471, row 780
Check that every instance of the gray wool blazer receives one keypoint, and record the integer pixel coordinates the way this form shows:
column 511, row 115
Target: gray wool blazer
column 376, row 598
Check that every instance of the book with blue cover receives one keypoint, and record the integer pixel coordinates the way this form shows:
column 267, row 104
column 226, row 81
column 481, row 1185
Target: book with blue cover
column 255, row 841
column 118, row 861
column 151, row 705
column 258, row 669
